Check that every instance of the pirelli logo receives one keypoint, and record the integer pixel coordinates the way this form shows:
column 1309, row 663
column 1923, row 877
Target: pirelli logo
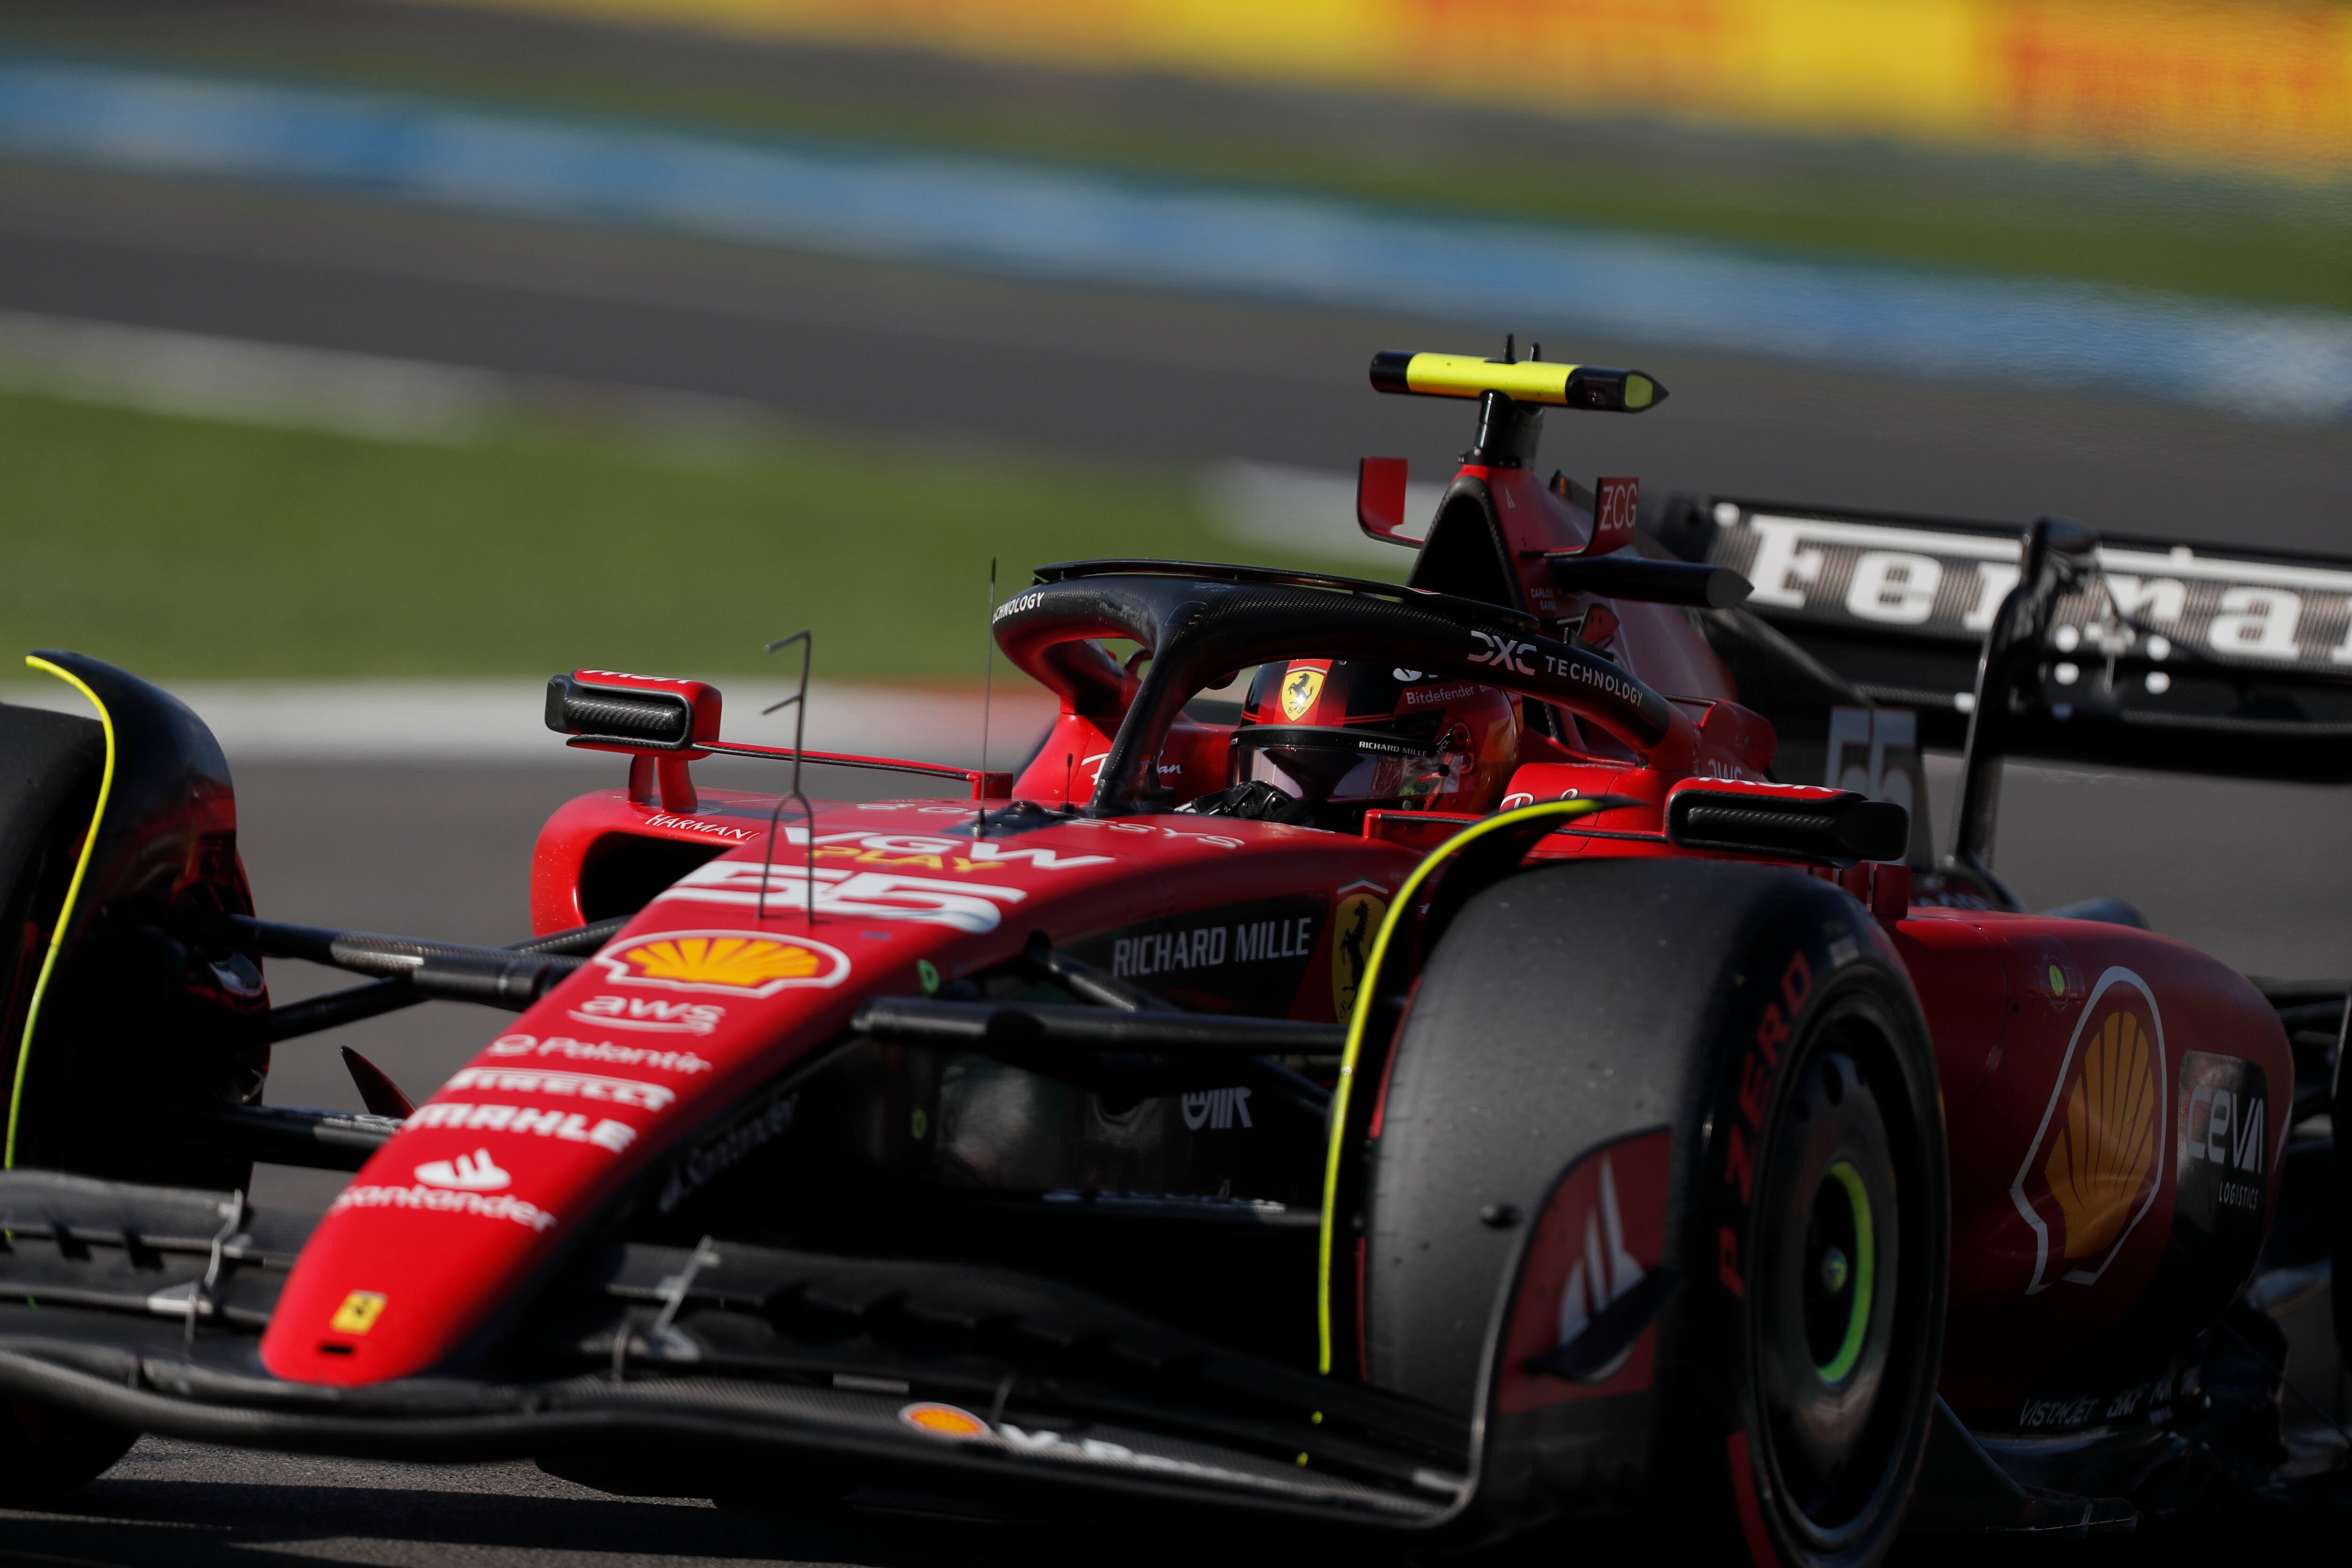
column 1947, row 584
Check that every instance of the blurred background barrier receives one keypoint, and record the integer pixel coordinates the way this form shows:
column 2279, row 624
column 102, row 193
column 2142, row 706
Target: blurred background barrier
column 1087, row 228
column 2263, row 86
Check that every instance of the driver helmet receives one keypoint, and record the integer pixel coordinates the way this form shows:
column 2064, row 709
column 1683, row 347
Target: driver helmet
column 1347, row 736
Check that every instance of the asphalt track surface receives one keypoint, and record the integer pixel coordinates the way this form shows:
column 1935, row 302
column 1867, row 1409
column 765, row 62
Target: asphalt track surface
column 942, row 361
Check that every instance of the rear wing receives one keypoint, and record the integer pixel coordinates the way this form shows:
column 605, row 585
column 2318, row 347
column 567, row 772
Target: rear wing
column 2126, row 650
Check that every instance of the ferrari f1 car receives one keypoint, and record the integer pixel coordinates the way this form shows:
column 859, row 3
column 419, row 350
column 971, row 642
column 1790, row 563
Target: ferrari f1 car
column 1525, row 1061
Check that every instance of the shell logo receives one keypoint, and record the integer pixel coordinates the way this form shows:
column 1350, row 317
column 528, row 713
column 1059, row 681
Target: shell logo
column 2103, row 1154
column 943, row 1421
column 739, row 964
column 2096, row 1161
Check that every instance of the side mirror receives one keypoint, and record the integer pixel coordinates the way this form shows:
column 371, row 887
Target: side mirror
column 656, row 722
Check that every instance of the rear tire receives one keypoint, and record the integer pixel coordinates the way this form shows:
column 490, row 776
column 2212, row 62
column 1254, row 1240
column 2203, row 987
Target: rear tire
column 1758, row 1021
column 134, row 1005
column 49, row 767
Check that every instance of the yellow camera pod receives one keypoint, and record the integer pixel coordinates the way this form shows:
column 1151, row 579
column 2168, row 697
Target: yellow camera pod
column 1526, row 381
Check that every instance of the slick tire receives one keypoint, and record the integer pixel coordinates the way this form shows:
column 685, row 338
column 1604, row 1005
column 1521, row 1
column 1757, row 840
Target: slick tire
column 46, row 1452
column 49, row 767
column 1742, row 1045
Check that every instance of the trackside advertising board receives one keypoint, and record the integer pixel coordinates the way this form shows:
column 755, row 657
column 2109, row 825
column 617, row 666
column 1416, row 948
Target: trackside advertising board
column 2259, row 86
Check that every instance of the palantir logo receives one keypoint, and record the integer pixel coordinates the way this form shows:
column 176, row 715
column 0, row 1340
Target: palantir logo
column 473, row 1173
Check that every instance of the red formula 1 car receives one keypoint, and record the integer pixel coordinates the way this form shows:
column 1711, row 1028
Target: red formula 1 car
column 1524, row 1062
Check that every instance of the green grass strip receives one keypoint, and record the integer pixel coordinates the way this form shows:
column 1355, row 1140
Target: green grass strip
column 189, row 549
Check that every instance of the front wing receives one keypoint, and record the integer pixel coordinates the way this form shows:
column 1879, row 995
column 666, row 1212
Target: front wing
column 143, row 1307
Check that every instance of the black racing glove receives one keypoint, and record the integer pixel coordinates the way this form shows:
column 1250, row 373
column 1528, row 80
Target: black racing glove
column 1256, row 801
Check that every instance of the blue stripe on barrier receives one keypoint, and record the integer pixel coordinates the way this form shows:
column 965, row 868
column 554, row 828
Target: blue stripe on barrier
column 1067, row 224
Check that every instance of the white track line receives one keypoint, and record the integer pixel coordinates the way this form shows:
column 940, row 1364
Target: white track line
column 502, row 721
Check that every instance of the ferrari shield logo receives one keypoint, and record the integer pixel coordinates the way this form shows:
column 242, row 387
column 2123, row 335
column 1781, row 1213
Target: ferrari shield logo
column 1361, row 907
column 741, row 962
column 2098, row 1160
column 1300, row 688
column 358, row 1313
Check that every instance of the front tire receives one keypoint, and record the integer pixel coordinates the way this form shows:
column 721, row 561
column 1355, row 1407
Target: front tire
column 46, row 1452
column 1741, row 1047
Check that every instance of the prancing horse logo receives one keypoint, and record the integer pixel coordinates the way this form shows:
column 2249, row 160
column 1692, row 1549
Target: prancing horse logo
column 1356, row 917
column 1300, row 688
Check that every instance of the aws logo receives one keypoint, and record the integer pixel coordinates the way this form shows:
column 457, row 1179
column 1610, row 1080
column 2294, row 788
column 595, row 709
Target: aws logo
column 724, row 960
column 2097, row 1158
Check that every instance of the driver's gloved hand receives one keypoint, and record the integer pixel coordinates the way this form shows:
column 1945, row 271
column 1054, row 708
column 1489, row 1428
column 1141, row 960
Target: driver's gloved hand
column 1256, row 801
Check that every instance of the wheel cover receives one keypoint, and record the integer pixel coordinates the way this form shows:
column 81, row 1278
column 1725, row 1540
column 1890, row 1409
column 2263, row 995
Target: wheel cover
column 1840, row 1281
column 1825, row 1299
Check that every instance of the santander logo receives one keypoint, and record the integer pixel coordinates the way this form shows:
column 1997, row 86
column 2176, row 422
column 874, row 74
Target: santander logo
column 473, row 1173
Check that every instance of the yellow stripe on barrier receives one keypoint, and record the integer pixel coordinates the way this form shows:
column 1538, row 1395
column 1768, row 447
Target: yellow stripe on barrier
column 1367, row 988
column 65, row 910
column 2256, row 85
